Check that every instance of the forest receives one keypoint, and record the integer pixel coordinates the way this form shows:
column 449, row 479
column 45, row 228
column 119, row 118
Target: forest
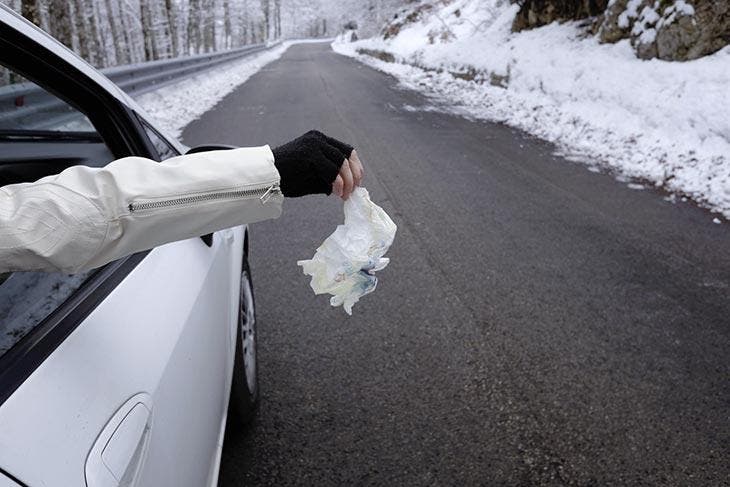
column 115, row 32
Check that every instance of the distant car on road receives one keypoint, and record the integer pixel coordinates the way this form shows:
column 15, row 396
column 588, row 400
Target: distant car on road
column 120, row 376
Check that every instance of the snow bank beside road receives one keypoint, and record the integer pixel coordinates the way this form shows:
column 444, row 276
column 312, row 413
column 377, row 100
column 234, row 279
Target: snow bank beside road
column 175, row 106
column 664, row 122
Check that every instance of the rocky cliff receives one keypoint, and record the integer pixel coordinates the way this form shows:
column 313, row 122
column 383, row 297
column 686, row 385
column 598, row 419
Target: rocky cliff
column 672, row 30
column 534, row 13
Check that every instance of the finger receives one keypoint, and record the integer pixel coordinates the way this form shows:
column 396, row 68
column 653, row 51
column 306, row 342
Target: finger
column 356, row 166
column 338, row 186
column 330, row 164
column 346, row 174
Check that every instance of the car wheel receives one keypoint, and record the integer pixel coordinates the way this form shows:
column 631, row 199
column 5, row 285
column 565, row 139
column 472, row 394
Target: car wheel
column 245, row 383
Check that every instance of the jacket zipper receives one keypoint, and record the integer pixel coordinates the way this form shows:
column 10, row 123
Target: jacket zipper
column 263, row 193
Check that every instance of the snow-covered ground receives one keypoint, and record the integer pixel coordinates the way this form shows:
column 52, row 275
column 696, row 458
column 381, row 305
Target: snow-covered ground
column 661, row 123
column 175, row 106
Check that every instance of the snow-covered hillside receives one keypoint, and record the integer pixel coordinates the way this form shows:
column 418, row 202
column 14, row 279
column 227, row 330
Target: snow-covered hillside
column 666, row 123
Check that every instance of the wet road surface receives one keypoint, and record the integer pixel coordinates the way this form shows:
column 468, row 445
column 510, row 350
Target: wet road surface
column 539, row 324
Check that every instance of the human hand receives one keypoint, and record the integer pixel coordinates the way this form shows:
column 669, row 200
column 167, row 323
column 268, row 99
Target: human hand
column 351, row 174
column 315, row 163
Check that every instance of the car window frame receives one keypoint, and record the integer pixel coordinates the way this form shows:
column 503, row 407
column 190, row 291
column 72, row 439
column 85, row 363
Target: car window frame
column 148, row 127
column 123, row 133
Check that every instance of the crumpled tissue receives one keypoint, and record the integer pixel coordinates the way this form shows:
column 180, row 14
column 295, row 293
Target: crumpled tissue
column 344, row 264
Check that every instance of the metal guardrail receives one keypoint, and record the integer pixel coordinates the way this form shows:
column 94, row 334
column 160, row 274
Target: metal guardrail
column 137, row 79
column 26, row 105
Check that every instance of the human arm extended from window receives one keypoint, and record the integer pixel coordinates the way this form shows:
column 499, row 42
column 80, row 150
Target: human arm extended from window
column 85, row 217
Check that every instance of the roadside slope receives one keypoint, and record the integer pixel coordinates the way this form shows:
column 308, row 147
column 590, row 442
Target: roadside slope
column 660, row 123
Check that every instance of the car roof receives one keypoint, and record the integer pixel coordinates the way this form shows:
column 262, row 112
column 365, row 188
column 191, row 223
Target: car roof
column 16, row 22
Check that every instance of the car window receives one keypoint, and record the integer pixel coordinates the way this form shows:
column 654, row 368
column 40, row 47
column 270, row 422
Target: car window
column 39, row 135
column 163, row 148
column 26, row 107
column 27, row 298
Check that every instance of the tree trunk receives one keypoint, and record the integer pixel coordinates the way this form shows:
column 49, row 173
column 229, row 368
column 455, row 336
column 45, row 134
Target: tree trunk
column 29, row 9
column 194, row 21
column 266, row 9
column 208, row 25
column 172, row 22
column 120, row 53
column 149, row 34
column 96, row 44
column 61, row 27
column 278, row 18
column 130, row 47
column 244, row 23
column 227, row 27
column 82, row 30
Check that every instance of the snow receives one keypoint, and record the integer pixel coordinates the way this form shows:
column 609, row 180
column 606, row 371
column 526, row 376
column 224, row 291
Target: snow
column 678, row 9
column 683, row 7
column 643, row 27
column 175, row 106
column 663, row 124
column 631, row 12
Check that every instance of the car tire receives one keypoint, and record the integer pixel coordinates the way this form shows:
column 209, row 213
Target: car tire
column 245, row 383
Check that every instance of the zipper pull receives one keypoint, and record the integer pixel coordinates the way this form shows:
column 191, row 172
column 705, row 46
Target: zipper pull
column 274, row 188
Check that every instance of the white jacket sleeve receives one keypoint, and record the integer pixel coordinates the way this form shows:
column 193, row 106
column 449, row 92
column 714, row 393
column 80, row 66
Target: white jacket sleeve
column 85, row 217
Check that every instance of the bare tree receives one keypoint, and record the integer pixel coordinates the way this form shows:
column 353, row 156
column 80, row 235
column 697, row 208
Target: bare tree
column 81, row 24
column 227, row 25
column 110, row 32
column 208, row 25
column 171, row 12
column 96, row 46
column 62, row 25
column 194, row 21
column 29, row 9
column 120, row 51
column 150, row 37
column 266, row 8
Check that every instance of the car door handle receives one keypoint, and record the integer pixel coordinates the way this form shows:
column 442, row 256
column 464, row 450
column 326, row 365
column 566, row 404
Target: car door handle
column 118, row 455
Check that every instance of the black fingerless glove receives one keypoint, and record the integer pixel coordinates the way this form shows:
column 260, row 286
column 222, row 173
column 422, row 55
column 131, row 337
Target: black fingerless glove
column 309, row 164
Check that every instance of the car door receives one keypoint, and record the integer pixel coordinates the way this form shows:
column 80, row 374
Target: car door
column 117, row 376
column 6, row 481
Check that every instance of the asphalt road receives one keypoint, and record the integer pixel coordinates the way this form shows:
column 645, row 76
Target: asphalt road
column 539, row 324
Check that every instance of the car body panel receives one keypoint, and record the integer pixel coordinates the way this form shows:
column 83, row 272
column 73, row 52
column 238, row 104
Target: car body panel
column 165, row 332
column 175, row 344
column 6, row 482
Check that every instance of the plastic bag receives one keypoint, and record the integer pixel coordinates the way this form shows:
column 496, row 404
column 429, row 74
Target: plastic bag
column 345, row 263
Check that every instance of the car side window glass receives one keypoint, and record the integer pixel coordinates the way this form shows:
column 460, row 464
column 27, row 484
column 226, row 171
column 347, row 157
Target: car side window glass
column 163, row 148
column 40, row 135
column 27, row 298
column 26, row 107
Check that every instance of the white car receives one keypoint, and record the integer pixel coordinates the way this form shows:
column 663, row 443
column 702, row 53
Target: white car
column 121, row 376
